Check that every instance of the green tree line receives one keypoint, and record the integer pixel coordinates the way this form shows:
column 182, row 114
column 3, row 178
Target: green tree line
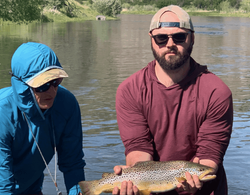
column 200, row 4
column 29, row 10
column 19, row 10
column 25, row 11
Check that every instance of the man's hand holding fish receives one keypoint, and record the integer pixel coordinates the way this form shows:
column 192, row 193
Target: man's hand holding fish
column 192, row 183
column 127, row 187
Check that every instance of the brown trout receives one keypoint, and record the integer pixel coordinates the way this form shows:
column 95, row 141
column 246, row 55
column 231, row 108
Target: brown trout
column 149, row 176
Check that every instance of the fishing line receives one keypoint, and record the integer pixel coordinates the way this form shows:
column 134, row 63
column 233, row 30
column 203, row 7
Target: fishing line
column 53, row 179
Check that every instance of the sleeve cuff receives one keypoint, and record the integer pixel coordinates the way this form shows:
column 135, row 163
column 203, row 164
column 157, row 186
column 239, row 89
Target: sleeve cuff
column 75, row 190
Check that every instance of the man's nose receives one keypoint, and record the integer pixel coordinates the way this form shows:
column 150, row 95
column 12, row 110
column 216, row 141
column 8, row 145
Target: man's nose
column 170, row 42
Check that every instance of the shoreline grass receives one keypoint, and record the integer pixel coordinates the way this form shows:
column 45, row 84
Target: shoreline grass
column 196, row 13
column 83, row 11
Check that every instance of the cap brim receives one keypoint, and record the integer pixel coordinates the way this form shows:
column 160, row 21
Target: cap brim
column 47, row 76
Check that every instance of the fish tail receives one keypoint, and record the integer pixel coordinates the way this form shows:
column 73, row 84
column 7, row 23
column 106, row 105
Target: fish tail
column 88, row 187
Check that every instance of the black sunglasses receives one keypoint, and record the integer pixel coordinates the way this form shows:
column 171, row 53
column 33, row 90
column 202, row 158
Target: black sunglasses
column 46, row 86
column 162, row 39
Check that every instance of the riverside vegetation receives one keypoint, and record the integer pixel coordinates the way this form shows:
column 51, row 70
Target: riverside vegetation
column 17, row 11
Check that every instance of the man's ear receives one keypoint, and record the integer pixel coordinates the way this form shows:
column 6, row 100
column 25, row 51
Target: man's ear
column 192, row 37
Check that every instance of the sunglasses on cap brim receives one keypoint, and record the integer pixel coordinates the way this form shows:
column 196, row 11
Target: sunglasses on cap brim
column 178, row 38
column 46, row 86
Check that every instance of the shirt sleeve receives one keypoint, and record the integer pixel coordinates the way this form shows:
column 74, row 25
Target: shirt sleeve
column 74, row 189
column 132, row 124
column 70, row 153
column 215, row 132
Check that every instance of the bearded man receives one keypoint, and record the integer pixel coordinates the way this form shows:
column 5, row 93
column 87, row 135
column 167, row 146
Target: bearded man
column 174, row 108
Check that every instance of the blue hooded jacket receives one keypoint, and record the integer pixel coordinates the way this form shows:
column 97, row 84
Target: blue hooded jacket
column 21, row 164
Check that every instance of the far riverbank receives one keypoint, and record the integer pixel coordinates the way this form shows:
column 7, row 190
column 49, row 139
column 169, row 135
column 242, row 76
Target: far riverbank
column 84, row 12
column 191, row 12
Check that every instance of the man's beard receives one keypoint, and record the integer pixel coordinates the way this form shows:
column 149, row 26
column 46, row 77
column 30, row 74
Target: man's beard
column 174, row 62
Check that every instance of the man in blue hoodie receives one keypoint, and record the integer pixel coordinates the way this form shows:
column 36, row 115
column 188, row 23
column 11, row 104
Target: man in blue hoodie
column 37, row 118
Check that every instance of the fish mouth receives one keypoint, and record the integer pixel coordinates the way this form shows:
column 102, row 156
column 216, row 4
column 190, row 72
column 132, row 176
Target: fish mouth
column 207, row 176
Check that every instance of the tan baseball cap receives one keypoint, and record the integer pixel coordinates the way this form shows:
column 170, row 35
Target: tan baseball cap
column 45, row 76
column 185, row 20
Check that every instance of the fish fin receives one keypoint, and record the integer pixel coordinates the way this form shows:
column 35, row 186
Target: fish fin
column 156, row 188
column 108, row 191
column 180, row 179
column 145, row 192
column 140, row 163
column 88, row 187
column 146, row 188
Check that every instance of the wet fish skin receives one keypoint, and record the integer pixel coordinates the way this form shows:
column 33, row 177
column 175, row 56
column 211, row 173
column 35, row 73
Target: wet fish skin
column 148, row 176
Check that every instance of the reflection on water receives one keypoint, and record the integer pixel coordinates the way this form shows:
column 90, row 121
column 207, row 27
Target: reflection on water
column 99, row 55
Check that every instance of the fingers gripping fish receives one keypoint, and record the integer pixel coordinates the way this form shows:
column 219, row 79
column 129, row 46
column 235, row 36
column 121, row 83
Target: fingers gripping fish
column 149, row 176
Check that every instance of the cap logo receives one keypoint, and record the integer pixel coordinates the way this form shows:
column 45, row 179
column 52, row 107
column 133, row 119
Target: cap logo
column 169, row 24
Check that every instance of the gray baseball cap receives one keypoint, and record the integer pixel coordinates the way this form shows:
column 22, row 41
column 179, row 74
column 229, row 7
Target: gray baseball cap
column 185, row 20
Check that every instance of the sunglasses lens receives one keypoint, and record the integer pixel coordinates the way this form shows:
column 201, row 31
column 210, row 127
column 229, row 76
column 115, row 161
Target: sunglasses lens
column 46, row 86
column 56, row 82
column 179, row 37
column 161, row 39
column 43, row 88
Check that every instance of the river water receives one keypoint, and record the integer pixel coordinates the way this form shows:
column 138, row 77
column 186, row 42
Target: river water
column 99, row 55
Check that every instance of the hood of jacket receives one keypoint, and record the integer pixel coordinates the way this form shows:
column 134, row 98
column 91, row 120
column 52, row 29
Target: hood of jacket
column 28, row 60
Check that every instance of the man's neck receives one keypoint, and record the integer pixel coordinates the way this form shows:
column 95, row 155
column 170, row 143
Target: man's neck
column 171, row 77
